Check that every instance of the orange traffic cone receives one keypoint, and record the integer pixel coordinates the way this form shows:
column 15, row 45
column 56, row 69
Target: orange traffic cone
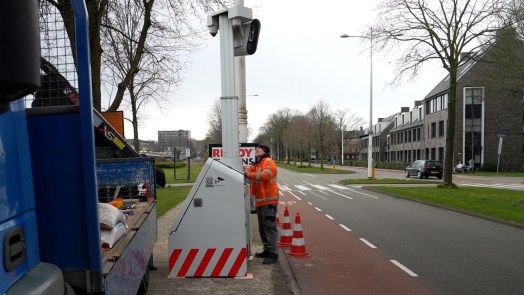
column 278, row 221
column 286, row 234
column 298, row 247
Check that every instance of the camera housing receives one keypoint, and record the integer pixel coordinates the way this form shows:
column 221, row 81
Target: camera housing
column 246, row 38
column 212, row 25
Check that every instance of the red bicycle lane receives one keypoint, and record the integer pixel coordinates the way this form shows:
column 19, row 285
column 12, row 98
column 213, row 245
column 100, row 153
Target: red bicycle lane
column 340, row 263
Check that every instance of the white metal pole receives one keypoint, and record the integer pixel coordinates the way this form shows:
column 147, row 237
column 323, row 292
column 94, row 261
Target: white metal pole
column 370, row 137
column 229, row 101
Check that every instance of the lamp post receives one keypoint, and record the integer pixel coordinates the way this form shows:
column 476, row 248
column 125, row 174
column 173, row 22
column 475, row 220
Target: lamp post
column 342, row 145
column 370, row 139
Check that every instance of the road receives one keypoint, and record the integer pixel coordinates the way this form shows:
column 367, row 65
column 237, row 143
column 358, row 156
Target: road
column 448, row 252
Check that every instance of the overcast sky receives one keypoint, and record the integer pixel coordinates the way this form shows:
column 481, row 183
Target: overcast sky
column 300, row 60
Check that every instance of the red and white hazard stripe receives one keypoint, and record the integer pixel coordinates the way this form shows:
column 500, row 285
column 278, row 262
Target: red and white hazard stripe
column 211, row 262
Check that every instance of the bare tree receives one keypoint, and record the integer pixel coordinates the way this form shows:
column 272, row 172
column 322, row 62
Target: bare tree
column 346, row 122
column 214, row 119
column 439, row 30
column 296, row 137
column 163, row 22
column 323, row 123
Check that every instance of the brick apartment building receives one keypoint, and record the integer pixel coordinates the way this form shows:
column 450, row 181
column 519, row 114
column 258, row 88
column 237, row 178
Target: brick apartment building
column 489, row 106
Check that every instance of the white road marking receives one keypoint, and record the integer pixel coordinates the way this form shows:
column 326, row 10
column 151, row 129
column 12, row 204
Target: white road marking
column 310, row 203
column 338, row 186
column 302, row 188
column 368, row 243
column 284, row 187
column 318, row 209
column 330, row 217
column 374, row 197
column 280, row 193
column 295, row 196
column 323, row 192
column 303, row 193
column 309, row 175
column 405, row 269
column 347, row 197
column 344, row 227
column 319, row 187
column 500, row 186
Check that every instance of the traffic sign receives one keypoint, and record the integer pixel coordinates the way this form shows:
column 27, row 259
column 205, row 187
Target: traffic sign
column 501, row 135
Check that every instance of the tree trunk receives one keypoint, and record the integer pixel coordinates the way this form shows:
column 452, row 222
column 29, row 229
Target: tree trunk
column 450, row 128
column 96, row 9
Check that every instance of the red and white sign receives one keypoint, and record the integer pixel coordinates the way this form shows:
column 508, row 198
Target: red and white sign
column 210, row 262
column 247, row 154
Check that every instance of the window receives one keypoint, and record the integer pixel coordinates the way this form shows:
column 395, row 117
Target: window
column 433, row 130
column 441, row 128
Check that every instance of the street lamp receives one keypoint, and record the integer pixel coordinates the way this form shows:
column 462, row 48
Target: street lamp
column 370, row 139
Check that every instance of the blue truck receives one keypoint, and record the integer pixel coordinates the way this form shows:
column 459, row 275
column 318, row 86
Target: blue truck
column 51, row 179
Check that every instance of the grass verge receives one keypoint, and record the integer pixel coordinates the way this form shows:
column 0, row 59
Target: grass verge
column 305, row 169
column 170, row 197
column 181, row 174
column 507, row 205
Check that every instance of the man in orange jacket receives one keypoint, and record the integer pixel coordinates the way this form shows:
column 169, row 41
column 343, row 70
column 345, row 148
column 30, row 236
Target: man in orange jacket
column 263, row 176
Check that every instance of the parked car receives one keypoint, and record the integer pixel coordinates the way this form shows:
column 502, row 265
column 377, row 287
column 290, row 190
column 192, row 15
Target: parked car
column 424, row 168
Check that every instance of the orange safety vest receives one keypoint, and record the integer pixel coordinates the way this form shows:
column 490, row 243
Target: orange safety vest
column 264, row 182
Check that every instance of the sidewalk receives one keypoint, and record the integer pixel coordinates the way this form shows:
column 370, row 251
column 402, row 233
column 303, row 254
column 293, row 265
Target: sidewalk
column 267, row 279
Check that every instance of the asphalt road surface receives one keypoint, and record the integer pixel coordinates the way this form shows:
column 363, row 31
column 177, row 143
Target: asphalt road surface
column 448, row 252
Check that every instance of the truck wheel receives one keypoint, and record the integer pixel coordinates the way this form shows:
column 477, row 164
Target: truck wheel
column 144, row 284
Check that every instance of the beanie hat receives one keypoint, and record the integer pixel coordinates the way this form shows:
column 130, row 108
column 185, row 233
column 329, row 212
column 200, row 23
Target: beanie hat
column 264, row 147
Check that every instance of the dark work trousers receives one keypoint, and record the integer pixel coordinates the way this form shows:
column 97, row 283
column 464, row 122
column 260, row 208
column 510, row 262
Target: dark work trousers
column 267, row 227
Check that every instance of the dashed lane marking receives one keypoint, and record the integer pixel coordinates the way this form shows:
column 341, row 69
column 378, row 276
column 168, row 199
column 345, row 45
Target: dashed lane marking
column 405, row 269
column 302, row 193
column 318, row 209
column 368, row 243
column 344, row 227
column 328, row 216
column 309, row 175
column 323, row 192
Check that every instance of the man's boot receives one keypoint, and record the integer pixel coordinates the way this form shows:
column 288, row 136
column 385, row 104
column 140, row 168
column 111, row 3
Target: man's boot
column 263, row 254
column 271, row 258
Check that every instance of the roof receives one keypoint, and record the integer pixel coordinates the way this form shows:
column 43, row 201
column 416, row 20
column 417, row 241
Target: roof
column 443, row 86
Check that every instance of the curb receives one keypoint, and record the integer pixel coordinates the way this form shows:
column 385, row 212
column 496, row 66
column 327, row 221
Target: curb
column 288, row 272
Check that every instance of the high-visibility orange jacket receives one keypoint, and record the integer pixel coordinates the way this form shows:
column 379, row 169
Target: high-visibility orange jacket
column 264, row 182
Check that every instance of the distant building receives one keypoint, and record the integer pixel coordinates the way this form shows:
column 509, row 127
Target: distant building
column 489, row 106
column 169, row 140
